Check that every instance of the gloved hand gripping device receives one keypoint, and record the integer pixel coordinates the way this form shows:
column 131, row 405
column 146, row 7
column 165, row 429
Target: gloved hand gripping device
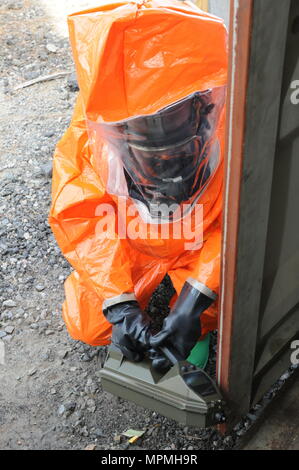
column 163, row 380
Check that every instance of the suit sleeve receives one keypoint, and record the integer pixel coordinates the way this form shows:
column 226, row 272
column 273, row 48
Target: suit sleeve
column 83, row 217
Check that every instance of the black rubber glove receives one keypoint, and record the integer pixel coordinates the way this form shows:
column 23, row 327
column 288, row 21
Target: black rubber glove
column 131, row 329
column 181, row 329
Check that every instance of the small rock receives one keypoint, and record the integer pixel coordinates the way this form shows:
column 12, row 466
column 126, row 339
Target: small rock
column 252, row 417
column 14, row 6
column 7, row 315
column 47, row 169
column 51, row 47
column 9, row 303
column 7, row 338
column 49, row 134
column 285, row 376
column 154, row 310
column 39, row 287
column 32, row 372
column 90, row 447
column 93, row 353
column 62, row 354
column 49, row 332
column 228, row 440
column 91, row 406
column 43, row 55
column 9, row 329
column 85, row 358
column 44, row 314
column 70, row 408
column 31, row 75
column 3, row 334
column 84, row 431
column 151, row 431
column 61, row 410
column 45, row 356
column 72, row 83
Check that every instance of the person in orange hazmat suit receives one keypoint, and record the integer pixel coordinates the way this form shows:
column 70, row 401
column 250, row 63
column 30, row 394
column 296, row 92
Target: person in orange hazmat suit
column 137, row 177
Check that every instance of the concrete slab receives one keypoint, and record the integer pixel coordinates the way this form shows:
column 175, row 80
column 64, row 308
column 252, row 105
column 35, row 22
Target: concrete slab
column 280, row 430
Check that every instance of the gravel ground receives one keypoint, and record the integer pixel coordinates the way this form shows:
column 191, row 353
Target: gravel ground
column 51, row 395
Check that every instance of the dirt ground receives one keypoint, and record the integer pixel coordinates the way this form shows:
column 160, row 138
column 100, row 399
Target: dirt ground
column 50, row 388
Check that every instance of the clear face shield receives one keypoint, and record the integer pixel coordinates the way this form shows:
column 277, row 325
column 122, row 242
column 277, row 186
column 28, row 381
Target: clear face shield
column 164, row 161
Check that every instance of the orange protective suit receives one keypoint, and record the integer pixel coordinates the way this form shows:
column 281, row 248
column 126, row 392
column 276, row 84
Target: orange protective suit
column 132, row 58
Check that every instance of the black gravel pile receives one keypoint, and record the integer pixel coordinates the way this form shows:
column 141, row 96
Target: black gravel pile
column 158, row 307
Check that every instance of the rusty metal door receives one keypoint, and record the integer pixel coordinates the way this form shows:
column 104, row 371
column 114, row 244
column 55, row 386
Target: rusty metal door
column 259, row 315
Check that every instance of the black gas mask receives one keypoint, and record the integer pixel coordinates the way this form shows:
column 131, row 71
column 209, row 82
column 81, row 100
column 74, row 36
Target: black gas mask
column 168, row 157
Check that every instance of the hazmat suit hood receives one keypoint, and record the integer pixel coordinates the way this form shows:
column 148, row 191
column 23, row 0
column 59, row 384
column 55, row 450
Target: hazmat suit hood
column 134, row 58
column 152, row 101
